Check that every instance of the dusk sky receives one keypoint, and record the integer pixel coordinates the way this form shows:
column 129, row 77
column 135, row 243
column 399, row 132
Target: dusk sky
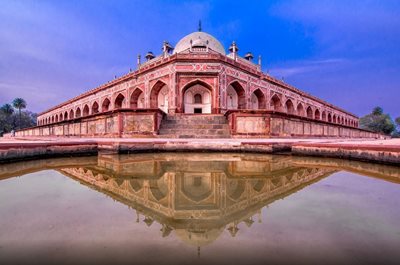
column 345, row 52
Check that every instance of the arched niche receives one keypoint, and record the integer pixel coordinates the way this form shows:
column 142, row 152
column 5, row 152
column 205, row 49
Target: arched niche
column 309, row 112
column 137, row 99
column 289, row 106
column 236, row 96
column 317, row 114
column 85, row 111
column 159, row 96
column 257, row 100
column 197, row 98
column 95, row 108
column 300, row 110
column 78, row 113
column 106, row 105
column 323, row 115
column 119, row 101
column 275, row 103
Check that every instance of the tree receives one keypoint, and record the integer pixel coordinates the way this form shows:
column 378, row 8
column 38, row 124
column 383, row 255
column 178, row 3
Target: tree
column 19, row 103
column 397, row 120
column 7, row 109
column 6, row 118
column 397, row 132
column 377, row 111
column 377, row 121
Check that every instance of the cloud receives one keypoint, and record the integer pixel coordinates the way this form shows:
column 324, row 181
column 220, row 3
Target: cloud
column 306, row 66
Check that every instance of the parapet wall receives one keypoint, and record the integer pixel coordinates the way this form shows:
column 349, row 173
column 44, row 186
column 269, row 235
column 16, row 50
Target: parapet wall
column 242, row 123
column 260, row 123
column 120, row 123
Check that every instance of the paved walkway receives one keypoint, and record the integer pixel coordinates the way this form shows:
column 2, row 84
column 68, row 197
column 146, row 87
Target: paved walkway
column 387, row 142
column 386, row 151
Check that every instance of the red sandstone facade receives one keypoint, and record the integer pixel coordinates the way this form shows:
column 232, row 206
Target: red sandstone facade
column 197, row 77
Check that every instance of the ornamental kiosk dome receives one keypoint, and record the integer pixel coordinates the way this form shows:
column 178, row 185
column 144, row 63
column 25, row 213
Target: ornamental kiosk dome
column 199, row 39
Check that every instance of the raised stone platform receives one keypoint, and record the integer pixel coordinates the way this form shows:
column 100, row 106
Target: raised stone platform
column 379, row 151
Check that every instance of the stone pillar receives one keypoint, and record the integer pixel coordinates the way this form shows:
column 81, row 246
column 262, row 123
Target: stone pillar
column 222, row 92
column 146, row 94
column 172, row 93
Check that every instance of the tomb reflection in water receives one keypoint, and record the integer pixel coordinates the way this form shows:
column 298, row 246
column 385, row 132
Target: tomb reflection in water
column 200, row 197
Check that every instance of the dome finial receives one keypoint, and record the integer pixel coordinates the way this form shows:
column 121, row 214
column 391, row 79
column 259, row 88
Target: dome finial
column 199, row 25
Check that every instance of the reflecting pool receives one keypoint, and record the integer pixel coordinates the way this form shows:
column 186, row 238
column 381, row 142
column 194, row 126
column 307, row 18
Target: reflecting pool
column 199, row 208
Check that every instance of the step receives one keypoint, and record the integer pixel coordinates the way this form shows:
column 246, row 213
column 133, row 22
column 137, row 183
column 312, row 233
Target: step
column 195, row 117
column 194, row 131
column 194, row 126
column 194, row 136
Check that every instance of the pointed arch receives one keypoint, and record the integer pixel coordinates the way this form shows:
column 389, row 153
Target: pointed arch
column 323, row 116
column 137, row 99
column 56, row 118
column 276, row 103
column 71, row 114
column 65, row 115
column 236, row 96
column 60, row 117
column 95, row 107
column 300, row 110
column 317, row 114
column 329, row 117
column 119, row 101
column 78, row 113
column 309, row 112
column 157, row 100
column 200, row 90
column 289, row 106
column 258, row 100
column 334, row 119
column 105, row 106
column 85, row 111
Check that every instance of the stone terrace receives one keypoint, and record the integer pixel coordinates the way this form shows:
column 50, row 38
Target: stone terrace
column 381, row 151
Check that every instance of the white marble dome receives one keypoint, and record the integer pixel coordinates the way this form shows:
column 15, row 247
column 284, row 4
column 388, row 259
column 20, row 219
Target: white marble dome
column 199, row 38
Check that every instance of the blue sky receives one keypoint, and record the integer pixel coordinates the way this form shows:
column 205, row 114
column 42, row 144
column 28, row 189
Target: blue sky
column 346, row 52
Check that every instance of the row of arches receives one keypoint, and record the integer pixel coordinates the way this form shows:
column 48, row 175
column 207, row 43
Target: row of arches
column 197, row 98
column 305, row 110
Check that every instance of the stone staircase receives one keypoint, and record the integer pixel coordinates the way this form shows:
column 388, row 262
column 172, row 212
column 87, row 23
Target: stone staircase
column 194, row 126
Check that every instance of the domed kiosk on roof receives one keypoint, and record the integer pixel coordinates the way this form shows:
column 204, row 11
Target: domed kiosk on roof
column 199, row 39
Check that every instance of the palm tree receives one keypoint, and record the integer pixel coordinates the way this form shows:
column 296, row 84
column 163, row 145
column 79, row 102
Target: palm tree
column 19, row 103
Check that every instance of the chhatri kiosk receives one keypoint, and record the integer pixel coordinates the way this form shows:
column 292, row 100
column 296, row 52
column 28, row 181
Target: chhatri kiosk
column 196, row 89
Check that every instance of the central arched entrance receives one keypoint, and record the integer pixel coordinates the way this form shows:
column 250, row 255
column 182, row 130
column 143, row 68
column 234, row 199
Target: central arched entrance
column 197, row 98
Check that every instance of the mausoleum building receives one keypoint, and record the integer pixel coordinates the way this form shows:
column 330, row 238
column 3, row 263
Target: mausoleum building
column 197, row 89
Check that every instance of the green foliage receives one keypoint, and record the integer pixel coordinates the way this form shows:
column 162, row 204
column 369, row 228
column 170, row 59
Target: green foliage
column 397, row 120
column 377, row 111
column 19, row 103
column 377, row 121
column 7, row 109
column 8, row 117
column 396, row 134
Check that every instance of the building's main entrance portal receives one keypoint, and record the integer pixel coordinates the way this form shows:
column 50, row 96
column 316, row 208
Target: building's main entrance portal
column 197, row 99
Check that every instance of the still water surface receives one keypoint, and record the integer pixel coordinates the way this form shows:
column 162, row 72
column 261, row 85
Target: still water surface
column 199, row 209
